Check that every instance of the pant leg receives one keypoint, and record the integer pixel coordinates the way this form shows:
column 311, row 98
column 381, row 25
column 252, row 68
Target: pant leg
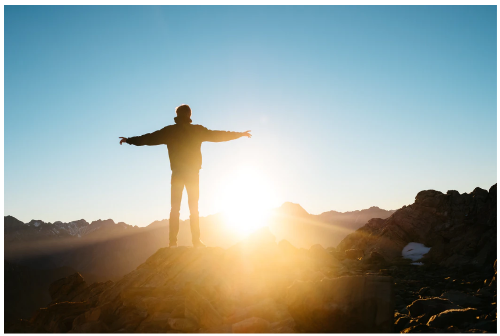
column 177, row 186
column 193, row 191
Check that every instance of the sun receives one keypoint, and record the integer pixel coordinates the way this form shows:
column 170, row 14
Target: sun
column 246, row 198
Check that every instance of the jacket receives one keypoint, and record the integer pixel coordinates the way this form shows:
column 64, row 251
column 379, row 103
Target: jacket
column 183, row 141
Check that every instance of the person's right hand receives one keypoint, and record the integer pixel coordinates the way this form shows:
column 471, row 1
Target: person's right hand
column 247, row 134
column 123, row 140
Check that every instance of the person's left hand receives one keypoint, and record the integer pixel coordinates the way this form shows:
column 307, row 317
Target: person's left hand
column 123, row 140
column 247, row 134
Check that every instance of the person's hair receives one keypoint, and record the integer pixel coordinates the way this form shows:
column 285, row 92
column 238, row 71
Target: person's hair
column 183, row 111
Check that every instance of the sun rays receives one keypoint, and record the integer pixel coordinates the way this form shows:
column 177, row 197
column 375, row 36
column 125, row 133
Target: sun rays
column 246, row 198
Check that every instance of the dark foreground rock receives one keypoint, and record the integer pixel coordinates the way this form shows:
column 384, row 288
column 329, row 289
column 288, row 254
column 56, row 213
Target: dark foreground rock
column 358, row 304
column 459, row 228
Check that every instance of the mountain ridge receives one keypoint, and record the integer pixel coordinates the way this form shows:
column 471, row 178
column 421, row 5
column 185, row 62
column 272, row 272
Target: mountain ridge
column 287, row 207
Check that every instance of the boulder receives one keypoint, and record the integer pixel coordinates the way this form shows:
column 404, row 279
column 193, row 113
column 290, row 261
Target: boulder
column 58, row 317
column 454, row 317
column 359, row 304
column 462, row 299
column 154, row 323
column 127, row 319
column 430, row 307
column 402, row 323
column 428, row 291
column 66, row 288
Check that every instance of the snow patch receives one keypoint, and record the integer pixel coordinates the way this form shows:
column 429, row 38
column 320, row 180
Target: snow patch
column 415, row 251
column 37, row 224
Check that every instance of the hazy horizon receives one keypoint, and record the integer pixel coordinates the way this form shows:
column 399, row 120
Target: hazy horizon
column 349, row 106
column 186, row 219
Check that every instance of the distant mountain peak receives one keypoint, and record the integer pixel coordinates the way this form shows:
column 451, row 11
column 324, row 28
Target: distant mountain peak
column 292, row 209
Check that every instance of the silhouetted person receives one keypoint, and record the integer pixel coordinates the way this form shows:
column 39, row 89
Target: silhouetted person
column 183, row 141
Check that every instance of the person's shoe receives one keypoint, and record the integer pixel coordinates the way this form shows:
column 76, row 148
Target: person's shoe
column 172, row 245
column 199, row 244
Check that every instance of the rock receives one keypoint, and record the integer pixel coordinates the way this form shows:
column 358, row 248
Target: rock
column 154, row 323
column 488, row 326
column 462, row 299
column 178, row 311
column 22, row 326
column 430, row 307
column 58, row 317
column 354, row 254
column 461, row 228
column 486, row 292
column 453, row 317
column 128, row 319
column 251, row 325
column 345, row 304
column 183, row 324
column 162, row 304
column 428, row 291
column 375, row 258
column 200, row 310
column 91, row 293
column 66, row 288
column 402, row 323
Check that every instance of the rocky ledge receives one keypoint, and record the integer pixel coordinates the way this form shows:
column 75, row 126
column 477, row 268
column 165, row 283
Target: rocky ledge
column 254, row 286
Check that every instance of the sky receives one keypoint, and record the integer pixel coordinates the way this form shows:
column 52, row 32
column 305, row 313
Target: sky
column 349, row 107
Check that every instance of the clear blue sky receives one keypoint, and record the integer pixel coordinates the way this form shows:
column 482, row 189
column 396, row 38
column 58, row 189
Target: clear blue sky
column 350, row 107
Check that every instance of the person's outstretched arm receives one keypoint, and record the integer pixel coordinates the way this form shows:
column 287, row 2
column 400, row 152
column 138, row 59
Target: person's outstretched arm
column 219, row 136
column 149, row 139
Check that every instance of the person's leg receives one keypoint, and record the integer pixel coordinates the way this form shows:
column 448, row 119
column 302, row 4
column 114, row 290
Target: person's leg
column 177, row 186
column 193, row 191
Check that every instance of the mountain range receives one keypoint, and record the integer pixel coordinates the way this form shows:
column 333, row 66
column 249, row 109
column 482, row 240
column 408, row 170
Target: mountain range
column 104, row 250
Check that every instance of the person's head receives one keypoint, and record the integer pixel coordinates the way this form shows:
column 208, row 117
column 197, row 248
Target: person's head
column 183, row 114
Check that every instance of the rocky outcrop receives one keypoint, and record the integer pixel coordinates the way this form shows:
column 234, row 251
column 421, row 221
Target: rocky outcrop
column 436, row 299
column 255, row 286
column 359, row 304
column 26, row 289
column 74, row 289
column 459, row 228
